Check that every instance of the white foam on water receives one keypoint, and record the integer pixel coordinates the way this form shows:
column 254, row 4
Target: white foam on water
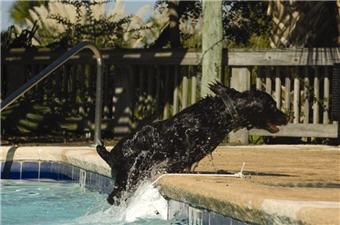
column 145, row 206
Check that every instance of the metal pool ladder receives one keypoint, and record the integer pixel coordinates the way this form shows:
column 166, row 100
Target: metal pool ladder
column 54, row 66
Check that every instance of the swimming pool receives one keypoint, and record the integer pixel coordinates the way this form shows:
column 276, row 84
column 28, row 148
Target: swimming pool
column 47, row 170
column 49, row 202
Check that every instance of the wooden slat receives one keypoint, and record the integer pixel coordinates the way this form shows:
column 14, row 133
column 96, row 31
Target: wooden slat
column 268, row 81
column 185, row 89
column 81, row 109
column 316, row 108
column 141, row 82
column 193, row 88
column 175, row 95
column 296, row 100
column 306, row 86
column 158, row 89
column 326, row 93
column 232, row 57
column 278, row 88
column 301, row 130
column 258, row 83
column 287, row 90
column 166, row 93
column 150, row 84
column 285, row 57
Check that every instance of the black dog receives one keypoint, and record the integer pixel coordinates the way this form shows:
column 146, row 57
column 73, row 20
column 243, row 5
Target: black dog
column 172, row 145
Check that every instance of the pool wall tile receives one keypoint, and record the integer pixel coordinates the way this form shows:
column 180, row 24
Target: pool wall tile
column 45, row 170
column 215, row 218
column 88, row 180
column 184, row 213
column 206, row 217
column 65, row 172
column 178, row 210
column 75, row 173
column 107, row 185
column 30, row 170
column 95, row 181
column 55, row 171
column 11, row 170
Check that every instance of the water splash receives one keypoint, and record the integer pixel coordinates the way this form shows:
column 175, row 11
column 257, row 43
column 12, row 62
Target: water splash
column 146, row 202
column 145, row 206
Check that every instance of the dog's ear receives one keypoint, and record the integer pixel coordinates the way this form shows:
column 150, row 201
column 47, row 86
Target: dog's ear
column 219, row 89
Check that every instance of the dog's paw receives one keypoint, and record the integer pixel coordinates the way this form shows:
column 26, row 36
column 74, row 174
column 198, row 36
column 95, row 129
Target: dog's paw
column 111, row 200
column 101, row 149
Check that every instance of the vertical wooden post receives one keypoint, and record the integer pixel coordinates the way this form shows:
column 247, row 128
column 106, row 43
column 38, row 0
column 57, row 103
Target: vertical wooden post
column 259, row 81
column 268, row 80
column 212, row 36
column 185, row 89
column 193, row 88
column 326, row 92
column 166, row 113
column 316, row 109
column 158, row 91
column 306, row 97
column 175, row 95
column 287, row 90
column 278, row 88
column 240, row 80
column 336, row 96
column 296, row 100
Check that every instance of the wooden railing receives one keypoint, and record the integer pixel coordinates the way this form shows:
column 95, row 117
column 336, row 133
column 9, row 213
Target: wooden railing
column 139, row 83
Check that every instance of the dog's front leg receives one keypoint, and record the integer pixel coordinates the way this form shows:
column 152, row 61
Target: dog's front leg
column 115, row 196
column 104, row 154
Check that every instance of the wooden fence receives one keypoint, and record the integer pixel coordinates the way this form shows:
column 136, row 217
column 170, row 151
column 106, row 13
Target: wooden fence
column 143, row 83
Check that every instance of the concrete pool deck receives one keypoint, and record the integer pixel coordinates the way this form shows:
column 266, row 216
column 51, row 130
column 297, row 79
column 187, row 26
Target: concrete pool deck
column 283, row 184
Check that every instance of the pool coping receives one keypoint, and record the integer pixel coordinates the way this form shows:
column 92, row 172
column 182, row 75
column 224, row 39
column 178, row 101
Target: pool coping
column 86, row 158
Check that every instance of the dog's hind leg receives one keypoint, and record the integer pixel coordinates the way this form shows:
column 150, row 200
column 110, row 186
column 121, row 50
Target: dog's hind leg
column 211, row 159
column 193, row 167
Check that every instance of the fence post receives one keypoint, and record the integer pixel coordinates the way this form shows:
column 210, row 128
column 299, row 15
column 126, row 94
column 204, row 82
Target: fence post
column 336, row 96
column 212, row 37
column 240, row 80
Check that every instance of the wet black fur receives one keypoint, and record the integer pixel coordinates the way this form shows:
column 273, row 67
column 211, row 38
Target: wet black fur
column 172, row 145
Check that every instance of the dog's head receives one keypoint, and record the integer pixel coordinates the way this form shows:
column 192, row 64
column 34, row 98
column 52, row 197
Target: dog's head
column 261, row 111
column 257, row 107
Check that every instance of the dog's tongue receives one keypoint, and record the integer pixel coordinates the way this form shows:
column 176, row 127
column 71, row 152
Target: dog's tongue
column 272, row 128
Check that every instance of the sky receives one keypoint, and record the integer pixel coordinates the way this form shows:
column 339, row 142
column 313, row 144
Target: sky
column 5, row 5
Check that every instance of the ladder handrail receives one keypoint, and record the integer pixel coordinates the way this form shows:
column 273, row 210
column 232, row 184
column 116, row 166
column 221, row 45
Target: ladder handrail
column 54, row 66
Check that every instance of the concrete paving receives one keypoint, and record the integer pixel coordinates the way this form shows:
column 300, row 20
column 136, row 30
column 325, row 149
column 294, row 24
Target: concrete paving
column 283, row 184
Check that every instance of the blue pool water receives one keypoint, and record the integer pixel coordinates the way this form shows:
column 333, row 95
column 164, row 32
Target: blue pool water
column 48, row 202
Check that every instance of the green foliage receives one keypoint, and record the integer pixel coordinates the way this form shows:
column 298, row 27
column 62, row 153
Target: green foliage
column 14, row 39
column 104, row 31
column 246, row 24
column 66, row 22
column 20, row 9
